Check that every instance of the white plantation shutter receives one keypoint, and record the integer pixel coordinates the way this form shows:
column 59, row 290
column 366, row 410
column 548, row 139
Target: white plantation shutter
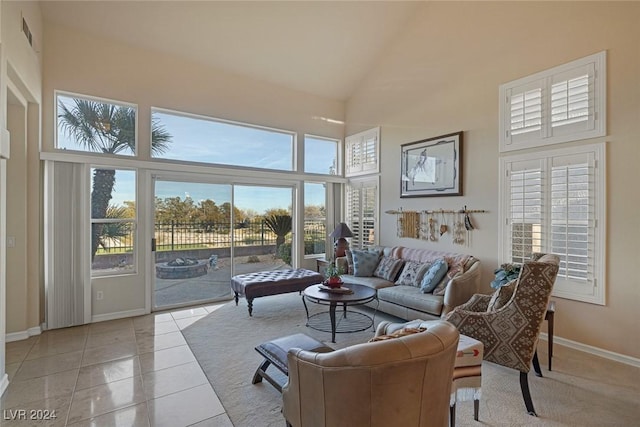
column 526, row 210
column 573, row 215
column 362, row 212
column 553, row 202
column 565, row 103
column 362, row 152
column 525, row 110
column 572, row 101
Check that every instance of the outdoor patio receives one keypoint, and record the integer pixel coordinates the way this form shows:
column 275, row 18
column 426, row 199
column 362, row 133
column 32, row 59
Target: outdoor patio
column 213, row 285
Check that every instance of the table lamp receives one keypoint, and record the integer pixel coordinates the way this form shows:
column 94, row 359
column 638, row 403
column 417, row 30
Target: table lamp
column 341, row 244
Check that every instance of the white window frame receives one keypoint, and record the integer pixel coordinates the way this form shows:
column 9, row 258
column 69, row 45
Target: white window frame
column 337, row 167
column 593, row 289
column 541, row 131
column 58, row 93
column 360, row 185
column 362, row 153
column 133, row 221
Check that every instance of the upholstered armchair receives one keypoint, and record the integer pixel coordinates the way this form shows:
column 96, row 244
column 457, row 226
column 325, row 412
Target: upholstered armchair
column 510, row 333
column 403, row 381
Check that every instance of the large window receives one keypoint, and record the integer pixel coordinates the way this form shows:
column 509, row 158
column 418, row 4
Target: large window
column 362, row 211
column 97, row 126
column 565, row 103
column 113, row 221
column 554, row 202
column 321, row 155
column 208, row 140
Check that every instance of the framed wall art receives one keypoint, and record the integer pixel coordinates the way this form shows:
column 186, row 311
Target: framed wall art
column 432, row 167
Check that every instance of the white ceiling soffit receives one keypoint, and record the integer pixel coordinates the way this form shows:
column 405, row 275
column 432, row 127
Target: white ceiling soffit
column 320, row 47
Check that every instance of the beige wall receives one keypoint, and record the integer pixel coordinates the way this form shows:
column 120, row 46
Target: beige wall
column 442, row 76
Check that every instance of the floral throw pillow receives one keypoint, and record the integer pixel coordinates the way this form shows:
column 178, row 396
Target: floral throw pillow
column 388, row 268
column 412, row 273
column 364, row 263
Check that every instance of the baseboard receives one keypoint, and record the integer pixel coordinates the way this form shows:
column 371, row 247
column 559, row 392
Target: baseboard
column 118, row 315
column 4, row 384
column 23, row 335
column 617, row 357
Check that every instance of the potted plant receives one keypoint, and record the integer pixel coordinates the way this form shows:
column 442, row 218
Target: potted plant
column 332, row 273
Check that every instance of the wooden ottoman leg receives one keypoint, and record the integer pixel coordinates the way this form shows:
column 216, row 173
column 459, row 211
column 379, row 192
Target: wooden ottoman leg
column 257, row 377
column 236, row 297
column 250, row 303
column 476, row 409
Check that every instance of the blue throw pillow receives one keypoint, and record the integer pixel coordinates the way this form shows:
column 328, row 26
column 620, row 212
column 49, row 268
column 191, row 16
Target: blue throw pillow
column 433, row 276
column 365, row 263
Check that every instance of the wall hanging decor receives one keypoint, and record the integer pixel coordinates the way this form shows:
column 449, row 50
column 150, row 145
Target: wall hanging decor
column 436, row 225
column 432, row 167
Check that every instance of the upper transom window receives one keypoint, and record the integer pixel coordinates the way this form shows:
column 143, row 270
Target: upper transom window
column 215, row 141
column 95, row 125
column 564, row 103
column 321, row 155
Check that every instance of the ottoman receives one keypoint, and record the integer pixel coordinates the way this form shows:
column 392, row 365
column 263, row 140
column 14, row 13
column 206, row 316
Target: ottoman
column 274, row 282
column 275, row 353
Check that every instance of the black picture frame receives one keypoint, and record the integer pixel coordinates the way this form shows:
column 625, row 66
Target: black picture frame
column 432, row 167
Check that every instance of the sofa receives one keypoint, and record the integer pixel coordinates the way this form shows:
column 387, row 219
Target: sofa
column 399, row 274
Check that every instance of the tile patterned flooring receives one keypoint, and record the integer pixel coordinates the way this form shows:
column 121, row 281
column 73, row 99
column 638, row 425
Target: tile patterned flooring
column 127, row 372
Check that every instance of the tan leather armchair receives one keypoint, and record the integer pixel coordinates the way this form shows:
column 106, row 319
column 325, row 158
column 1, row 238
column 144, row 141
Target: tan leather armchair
column 403, row 381
column 510, row 333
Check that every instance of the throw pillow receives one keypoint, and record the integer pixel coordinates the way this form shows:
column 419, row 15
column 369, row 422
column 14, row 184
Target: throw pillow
column 502, row 296
column 365, row 263
column 412, row 273
column 388, row 268
column 397, row 334
column 349, row 257
column 433, row 276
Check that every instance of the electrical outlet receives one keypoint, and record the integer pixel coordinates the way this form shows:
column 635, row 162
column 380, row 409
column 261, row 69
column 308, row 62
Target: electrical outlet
column 99, row 295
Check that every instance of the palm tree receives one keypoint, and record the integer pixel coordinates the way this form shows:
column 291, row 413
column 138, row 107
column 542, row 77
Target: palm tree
column 110, row 129
column 280, row 225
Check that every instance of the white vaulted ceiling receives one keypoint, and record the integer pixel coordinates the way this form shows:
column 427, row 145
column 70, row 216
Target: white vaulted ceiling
column 320, row 47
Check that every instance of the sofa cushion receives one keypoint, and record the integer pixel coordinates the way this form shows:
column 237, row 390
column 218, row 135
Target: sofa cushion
column 434, row 275
column 412, row 273
column 388, row 268
column 372, row 282
column 365, row 262
column 413, row 298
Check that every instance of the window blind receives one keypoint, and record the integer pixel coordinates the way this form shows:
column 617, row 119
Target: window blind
column 526, row 211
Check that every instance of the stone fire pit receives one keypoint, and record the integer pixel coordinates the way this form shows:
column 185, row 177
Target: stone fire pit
column 181, row 268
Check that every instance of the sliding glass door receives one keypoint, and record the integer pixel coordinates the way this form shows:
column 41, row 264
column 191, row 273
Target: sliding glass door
column 263, row 228
column 204, row 233
column 193, row 239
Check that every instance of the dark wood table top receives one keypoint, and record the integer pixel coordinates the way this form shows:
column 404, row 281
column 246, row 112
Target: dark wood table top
column 361, row 294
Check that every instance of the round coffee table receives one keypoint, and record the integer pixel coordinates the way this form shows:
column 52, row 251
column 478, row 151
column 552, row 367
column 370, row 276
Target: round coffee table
column 350, row 321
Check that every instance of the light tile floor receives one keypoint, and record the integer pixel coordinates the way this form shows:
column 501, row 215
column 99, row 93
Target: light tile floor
column 127, row 372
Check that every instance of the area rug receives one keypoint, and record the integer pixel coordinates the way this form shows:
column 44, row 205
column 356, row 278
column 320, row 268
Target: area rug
column 582, row 390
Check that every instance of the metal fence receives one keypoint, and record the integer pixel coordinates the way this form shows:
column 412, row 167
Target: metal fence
column 176, row 235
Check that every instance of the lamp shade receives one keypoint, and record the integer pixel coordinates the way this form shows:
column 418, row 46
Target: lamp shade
column 341, row 244
column 342, row 230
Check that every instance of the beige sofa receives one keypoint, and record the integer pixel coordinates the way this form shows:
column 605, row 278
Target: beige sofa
column 408, row 302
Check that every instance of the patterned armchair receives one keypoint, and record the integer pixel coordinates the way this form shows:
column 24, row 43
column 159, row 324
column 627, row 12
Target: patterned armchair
column 510, row 333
